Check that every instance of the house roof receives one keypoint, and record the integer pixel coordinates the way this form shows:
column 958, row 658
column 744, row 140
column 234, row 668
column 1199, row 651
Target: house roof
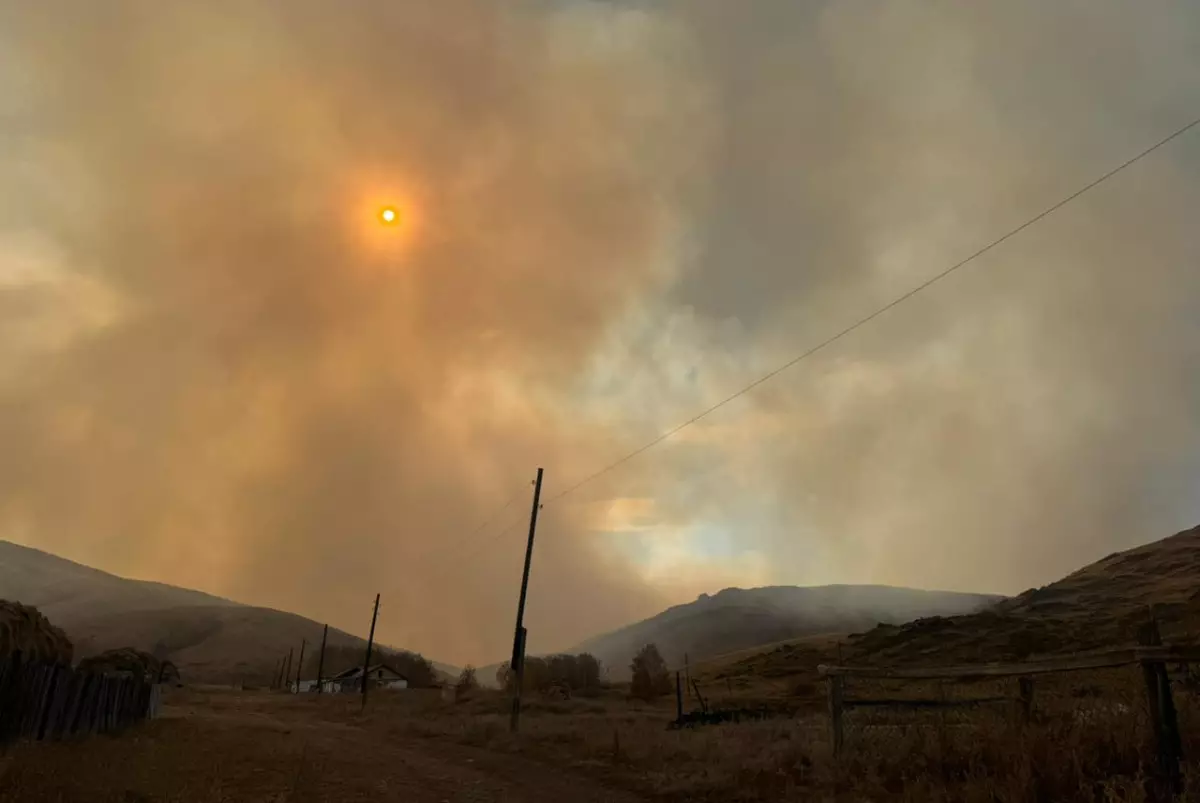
column 356, row 672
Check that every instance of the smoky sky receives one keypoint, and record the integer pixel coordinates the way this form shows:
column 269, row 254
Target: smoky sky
column 217, row 369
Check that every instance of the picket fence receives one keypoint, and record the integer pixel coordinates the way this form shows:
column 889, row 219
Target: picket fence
column 47, row 702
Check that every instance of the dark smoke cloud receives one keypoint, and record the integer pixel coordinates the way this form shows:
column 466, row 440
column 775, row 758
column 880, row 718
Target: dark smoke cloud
column 216, row 371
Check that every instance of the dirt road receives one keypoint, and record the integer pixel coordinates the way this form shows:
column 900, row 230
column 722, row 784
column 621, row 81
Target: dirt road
column 231, row 752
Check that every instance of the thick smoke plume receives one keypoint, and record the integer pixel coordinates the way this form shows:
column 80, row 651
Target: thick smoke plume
column 217, row 369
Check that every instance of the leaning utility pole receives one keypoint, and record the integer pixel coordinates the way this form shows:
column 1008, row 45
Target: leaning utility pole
column 517, row 664
column 286, row 679
column 321, row 660
column 367, row 660
column 300, row 664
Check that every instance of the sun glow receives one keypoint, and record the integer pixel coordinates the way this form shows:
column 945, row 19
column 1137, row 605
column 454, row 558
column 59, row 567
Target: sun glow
column 384, row 219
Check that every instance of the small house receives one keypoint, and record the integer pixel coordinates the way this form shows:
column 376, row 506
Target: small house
column 379, row 676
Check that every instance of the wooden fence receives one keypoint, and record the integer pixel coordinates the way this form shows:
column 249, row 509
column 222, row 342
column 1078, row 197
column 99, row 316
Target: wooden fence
column 47, row 702
column 1151, row 655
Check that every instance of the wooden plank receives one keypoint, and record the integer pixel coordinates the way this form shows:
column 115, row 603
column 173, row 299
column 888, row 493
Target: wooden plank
column 75, row 714
column 922, row 703
column 1025, row 697
column 9, row 697
column 1163, row 717
column 1107, row 659
column 49, row 698
column 837, row 688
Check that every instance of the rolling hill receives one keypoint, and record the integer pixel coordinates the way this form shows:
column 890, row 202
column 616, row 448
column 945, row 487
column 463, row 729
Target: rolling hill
column 737, row 619
column 1094, row 607
column 208, row 638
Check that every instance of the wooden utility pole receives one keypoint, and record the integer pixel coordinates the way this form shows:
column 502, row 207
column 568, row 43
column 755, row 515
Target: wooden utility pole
column 370, row 644
column 300, row 664
column 518, row 657
column 321, row 661
column 287, row 670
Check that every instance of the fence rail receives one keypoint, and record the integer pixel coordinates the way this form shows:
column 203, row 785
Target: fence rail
column 1106, row 659
column 1150, row 654
column 49, row 702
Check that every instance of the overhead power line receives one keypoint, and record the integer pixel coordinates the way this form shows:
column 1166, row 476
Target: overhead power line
column 877, row 313
column 471, row 534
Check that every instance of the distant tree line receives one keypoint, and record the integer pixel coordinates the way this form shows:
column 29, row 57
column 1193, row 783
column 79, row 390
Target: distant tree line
column 575, row 672
column 415, row 667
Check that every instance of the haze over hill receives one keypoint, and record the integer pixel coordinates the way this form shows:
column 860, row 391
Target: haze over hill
column 1097, row 606
column 735, row 619
column 208, row 638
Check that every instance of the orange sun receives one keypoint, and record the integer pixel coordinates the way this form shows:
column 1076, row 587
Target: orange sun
column 389, row 215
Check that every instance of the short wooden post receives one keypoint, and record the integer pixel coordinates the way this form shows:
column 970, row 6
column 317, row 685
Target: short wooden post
column 79, row 704
column 1025, row 690
column 48, row 701
column 678, row 699
column 10, row 698
column 300, row 664
column 1161, row 705
column 837, row 688
column 699, row 697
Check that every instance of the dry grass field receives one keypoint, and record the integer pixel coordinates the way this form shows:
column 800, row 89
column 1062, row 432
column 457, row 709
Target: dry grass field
column 1089, row 739
column 1090, row 742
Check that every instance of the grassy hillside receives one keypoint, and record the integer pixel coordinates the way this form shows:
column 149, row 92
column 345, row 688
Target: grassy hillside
column 1095, row 607
column 65, row 591
column 210, row 639
column 738, row 619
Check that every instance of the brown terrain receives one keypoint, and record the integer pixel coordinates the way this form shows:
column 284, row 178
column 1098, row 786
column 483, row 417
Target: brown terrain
column 214, row 640
column 1096, row 607
column 1089, row 737
column 209, row 639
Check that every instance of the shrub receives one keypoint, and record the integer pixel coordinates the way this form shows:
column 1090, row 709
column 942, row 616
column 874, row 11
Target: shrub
column 650, row 676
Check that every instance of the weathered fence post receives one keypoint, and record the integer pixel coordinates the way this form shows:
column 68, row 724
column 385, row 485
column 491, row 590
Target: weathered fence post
column 699, row 696
column 837, row 688
column 1025, row 692
column 1161, row 705
column 10, row 697
column 48, row 700
column 77, row 705
column 96, row 724
column 321, row 660
column 678, row 699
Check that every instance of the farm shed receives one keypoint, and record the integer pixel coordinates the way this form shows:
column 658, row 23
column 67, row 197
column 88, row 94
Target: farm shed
column 380, row 676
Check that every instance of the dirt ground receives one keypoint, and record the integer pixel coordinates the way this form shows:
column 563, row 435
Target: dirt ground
column 259, row 747
column 1088, row 739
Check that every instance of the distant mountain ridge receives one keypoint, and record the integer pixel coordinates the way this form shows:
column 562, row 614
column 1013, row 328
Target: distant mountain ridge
column 737, row 619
